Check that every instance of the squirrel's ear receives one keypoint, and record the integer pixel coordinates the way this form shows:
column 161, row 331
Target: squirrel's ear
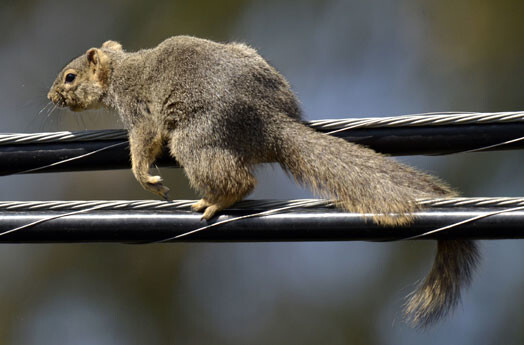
column 93, row 56
column 96, row 58
column 98, row 64
column 112, row 45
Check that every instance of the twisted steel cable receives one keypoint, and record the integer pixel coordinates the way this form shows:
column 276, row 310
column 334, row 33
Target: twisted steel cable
column 425, row 119
column 150, row 205
column 62, row 136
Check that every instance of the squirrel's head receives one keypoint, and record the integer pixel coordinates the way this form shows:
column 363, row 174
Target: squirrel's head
column 83, row 82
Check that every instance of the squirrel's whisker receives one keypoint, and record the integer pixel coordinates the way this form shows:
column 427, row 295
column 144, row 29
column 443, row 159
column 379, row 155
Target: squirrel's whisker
column 44, row 107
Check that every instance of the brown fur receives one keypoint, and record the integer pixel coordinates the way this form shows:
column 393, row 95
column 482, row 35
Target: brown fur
column 222, row 109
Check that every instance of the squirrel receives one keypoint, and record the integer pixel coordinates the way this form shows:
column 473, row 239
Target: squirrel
column 221, row 109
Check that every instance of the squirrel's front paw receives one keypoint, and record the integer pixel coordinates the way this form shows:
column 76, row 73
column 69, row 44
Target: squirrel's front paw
column 154, row 184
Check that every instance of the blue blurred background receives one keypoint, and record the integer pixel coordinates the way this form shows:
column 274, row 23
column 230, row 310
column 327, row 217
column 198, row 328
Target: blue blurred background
column 343, row 59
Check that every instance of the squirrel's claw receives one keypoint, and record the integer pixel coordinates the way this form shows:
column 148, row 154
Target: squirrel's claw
column 165, row 195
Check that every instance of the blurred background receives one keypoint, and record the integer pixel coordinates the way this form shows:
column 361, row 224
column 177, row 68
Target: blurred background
column 343, row 59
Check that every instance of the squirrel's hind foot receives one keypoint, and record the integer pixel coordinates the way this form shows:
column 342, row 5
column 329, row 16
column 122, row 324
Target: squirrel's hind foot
column 200, row 205
column 210, row 209
column 210, row 212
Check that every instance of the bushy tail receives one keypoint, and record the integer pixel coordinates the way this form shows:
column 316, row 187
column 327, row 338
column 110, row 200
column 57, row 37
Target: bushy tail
column 361, row 179
column 439, row 293
column 367, row 182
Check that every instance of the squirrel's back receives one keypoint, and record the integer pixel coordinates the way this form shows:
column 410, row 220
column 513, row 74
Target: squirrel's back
column 186, row 76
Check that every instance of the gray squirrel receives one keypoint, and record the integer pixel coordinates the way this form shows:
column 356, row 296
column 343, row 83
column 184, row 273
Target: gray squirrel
column 221, row 109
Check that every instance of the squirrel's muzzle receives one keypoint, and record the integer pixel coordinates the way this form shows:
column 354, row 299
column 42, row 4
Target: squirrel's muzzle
column 56, row 98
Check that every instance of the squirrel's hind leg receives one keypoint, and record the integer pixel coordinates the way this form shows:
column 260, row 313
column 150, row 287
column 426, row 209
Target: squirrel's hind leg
column 221, row 177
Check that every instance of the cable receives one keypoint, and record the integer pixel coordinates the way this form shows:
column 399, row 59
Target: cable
column 434, row 134
column 304, row 220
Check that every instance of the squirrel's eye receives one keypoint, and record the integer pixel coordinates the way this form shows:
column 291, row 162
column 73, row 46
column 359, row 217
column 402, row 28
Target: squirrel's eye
column 70, row 77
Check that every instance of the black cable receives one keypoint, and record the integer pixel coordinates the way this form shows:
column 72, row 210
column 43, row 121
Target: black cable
column 317, row 224
column 413, row 140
